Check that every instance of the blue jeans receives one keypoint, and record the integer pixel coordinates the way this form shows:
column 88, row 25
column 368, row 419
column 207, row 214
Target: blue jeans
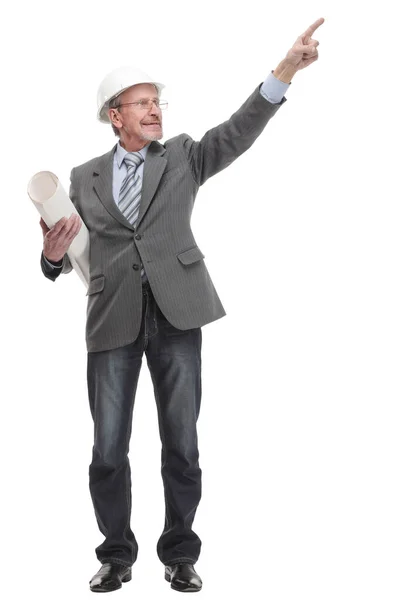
column 174, row 360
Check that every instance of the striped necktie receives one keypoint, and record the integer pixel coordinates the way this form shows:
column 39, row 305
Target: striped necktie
column 131, row 188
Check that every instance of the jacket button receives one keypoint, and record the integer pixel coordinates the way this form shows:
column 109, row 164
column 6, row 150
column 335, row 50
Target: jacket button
column 135, row 266
column 138, row 237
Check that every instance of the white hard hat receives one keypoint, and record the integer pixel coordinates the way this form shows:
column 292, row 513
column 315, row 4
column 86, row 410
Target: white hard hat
column 115, row 83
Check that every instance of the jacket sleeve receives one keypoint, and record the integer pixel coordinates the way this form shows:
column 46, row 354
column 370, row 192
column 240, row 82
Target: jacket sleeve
column 222, row 144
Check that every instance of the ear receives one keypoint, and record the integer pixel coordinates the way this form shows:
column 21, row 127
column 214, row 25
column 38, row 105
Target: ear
column 115, row 118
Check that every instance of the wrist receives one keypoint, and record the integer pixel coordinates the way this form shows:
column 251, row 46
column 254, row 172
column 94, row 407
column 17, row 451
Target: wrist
column 53, row 260
column 285, row 71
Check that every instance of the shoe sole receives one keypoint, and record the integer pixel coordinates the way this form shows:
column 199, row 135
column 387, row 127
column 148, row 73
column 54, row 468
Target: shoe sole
column 180, row 589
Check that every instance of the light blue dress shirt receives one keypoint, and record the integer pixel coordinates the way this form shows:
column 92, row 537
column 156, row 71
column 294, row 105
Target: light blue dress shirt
column 272, row 90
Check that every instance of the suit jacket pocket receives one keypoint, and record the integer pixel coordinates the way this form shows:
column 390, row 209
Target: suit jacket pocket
column 96, row 285
column 190, row 256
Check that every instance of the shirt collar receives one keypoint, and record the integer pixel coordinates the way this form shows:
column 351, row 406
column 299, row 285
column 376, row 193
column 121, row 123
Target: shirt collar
column 120, row 153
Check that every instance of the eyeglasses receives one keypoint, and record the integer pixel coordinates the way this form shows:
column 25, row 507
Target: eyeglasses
column 146, row 104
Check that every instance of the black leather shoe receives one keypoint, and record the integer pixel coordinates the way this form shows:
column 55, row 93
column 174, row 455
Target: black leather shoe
column 183, row 577
column 110, row 577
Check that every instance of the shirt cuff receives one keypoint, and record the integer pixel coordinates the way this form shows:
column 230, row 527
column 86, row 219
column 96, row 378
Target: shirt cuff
column 53, row 265
column 274, row 89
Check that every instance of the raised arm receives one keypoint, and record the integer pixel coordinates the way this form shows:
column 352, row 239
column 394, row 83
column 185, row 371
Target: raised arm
column 221, row 145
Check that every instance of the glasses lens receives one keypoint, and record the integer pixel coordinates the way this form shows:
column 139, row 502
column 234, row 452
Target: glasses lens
column 149, row 103
column 145, row 105
column 158, row 104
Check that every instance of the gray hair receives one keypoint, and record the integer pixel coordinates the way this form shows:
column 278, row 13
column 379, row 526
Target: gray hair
column 114, row 103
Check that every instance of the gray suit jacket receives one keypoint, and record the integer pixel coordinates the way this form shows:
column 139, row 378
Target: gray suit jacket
column 162, row 238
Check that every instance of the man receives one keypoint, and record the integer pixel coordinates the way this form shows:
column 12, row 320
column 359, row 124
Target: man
column 150, row 292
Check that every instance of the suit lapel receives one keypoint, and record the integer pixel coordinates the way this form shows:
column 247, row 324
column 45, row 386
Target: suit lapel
column 102, row 184
column 154, row 167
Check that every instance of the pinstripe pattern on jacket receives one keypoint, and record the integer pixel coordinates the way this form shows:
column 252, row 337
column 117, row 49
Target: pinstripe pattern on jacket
column 162, row 237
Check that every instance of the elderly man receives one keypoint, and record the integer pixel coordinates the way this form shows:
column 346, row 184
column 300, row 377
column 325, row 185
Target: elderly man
column 150, row 292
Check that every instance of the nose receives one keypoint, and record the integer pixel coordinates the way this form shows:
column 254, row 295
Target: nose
column 154, row 110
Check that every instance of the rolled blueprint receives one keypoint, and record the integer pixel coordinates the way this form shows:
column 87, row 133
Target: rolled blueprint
column 53, row 203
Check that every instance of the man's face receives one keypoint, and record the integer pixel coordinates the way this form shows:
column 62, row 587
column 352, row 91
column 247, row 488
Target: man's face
column 134, row 122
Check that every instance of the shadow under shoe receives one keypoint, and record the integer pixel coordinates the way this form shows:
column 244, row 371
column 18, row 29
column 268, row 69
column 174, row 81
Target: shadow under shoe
column 183, row 577
column 110, row 577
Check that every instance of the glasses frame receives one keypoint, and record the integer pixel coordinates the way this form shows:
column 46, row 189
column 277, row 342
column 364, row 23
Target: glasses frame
column 162, row 105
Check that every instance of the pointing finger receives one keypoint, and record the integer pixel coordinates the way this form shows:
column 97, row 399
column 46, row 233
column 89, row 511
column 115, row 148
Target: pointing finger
column 309, row 32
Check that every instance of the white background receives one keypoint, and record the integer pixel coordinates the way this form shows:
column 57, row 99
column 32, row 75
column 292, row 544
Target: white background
column 299, row 426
